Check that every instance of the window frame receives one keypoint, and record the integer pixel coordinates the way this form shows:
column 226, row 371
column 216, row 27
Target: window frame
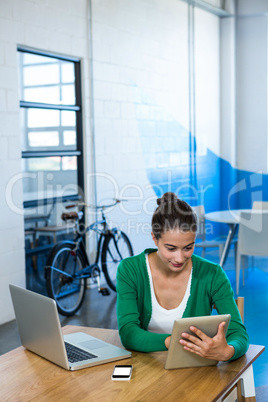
column 77, row 108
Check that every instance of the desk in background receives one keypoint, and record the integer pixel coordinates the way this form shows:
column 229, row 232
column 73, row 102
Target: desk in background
column 232, row 218
column 28, row 377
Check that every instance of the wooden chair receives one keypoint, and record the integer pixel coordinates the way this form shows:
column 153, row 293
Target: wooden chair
column 54, row 231
column 240, row 305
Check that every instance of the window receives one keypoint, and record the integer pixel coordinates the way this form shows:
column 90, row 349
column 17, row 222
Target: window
column 51, row 126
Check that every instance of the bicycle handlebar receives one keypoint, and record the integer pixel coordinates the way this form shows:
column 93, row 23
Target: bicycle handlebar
column 70, row 206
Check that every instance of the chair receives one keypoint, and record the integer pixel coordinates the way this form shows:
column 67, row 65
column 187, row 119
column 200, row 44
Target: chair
column 201, row 233
column 54, row 231
column 260, row 205
column 240, row 305
column 252, row 239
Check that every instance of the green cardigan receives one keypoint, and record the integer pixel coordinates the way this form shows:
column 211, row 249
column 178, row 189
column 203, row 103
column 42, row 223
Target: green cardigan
column 210, row 285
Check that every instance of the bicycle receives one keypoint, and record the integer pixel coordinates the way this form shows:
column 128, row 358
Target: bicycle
column 68, row 268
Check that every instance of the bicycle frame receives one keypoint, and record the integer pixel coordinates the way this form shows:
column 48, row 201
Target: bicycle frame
column 79, row 240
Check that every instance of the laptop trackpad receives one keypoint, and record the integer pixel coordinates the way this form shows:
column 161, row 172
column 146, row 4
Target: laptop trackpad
column 94, row 344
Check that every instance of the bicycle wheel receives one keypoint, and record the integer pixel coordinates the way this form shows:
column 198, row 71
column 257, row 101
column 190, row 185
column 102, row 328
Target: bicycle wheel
column 67, row 291
column 115, row 248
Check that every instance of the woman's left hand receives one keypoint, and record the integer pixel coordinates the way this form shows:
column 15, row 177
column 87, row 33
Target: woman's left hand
column 215, row 348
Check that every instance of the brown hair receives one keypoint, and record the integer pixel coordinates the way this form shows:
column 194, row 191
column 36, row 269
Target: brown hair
column 173, row 213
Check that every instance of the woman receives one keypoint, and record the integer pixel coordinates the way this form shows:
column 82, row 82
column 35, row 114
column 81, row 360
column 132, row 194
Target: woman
column 160, row 285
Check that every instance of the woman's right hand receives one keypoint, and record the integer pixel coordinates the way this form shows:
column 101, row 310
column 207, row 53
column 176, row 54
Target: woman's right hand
column 167, row 342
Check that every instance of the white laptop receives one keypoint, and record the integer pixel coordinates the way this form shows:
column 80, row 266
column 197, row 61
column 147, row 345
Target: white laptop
column 40, row 332
column 177, row 356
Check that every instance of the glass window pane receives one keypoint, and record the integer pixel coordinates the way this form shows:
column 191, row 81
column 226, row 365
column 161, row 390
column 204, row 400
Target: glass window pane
column 40, row 75
column 67, row 72
column 43, row 139
column 69, row 163
column 68, row 95
column 48, row 95
column 30, row 58
column 68, row 118
column 38, row 164
column 69, row 138
column 43, row 118
column 46, row 130
column 46, row 178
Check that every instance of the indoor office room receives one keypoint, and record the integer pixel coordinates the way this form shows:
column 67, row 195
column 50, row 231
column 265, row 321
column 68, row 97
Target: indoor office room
column 105, row 105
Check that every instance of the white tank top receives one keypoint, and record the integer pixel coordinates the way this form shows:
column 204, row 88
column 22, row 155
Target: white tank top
column 162, row 320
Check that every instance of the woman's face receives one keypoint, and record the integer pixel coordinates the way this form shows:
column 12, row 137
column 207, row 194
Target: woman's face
column 175, row 249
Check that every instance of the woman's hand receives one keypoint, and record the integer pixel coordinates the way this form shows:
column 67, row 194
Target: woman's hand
column 215, row 348
column 167, row 341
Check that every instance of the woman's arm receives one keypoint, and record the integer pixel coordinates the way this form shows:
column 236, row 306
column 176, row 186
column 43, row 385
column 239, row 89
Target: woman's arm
column 133, row 310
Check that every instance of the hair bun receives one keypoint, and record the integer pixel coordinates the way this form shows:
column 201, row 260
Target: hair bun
column 167, row 197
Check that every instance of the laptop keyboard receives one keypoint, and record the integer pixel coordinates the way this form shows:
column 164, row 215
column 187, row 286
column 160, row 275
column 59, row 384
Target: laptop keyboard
column 76, row 354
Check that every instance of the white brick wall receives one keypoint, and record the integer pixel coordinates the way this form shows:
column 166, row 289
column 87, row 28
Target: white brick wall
column 3, row 102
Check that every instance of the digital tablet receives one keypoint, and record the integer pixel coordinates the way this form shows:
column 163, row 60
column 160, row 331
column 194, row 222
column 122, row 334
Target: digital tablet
column 177, row 356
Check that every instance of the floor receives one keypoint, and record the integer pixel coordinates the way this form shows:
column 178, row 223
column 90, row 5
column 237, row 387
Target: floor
column 100, row 311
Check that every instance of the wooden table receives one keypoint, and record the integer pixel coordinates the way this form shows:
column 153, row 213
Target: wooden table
column 28, row 377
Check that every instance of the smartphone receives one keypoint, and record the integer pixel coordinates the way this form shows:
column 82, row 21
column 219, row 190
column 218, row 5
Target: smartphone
column 122, row 372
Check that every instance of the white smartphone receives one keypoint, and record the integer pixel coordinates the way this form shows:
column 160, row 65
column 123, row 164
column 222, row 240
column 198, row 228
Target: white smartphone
column 122, row 372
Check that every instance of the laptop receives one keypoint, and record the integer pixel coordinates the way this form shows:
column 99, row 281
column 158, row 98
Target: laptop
column 177, row 356
column 40, row 332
